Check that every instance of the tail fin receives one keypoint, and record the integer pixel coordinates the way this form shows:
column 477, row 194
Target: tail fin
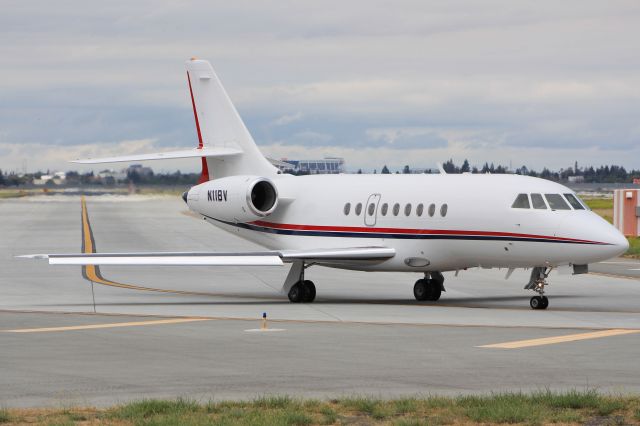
column 219, row 125
column 224, row 143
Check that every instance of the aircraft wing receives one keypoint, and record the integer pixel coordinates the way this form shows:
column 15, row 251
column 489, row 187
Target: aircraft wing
column 187, row 153
column 262, row 258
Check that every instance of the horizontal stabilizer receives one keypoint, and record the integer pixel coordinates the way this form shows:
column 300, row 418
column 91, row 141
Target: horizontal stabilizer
column 187, row 153
column 261, row 258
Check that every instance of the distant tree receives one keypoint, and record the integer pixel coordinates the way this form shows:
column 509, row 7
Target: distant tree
column 2, row 180
column 359, row 171
column 406, row 170
column 465, row 167
column 450, row 167
column 385, row 170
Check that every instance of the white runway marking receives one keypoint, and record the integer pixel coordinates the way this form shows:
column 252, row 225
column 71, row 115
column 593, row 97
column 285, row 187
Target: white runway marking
column 264, row 330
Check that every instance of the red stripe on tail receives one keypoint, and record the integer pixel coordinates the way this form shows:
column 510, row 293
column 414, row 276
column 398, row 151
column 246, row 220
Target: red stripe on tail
column 204, row 175
column 195, row 113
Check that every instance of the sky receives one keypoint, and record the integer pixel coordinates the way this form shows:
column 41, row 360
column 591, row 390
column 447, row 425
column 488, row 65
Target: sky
column 535, row 83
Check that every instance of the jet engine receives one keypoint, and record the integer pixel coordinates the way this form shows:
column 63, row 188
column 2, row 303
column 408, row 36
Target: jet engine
column 234, row 198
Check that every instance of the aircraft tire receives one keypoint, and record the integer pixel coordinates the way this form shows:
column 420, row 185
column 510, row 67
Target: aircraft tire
column 536, row 302
column 421, row 290
column 545, row 302
column 309, row 293
column 434, row 290
column 296, row 293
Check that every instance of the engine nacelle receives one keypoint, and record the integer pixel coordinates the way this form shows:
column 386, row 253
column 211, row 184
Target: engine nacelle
column 234, row 198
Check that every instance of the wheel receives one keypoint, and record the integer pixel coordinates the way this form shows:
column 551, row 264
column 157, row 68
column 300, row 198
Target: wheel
column 434, row 290
column 545, row 302
column 309, row 291
column 536, row 302
column 421, row 290
column 425, row 289
column 296, row 293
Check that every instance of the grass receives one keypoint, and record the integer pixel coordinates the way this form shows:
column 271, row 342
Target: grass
column 634, row 247
column 11, row 193
column 544, row 407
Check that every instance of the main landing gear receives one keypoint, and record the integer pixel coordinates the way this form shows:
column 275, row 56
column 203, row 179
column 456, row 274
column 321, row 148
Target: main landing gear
column 430, row 287
column 299, row 289
column 536, row 283
column 303, row 291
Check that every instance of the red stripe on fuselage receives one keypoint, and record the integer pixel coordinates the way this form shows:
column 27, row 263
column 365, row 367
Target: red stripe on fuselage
column 295, row 227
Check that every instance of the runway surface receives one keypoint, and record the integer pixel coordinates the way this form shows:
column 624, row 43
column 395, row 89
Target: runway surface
column 364, row 334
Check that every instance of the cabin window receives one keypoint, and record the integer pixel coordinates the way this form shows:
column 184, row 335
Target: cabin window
column 358, row 209
column 372, row 209
column 556, row 202
column 538, row 202
column 521, row 202
column 396, row 209
column 419, row 209
column 384, row 209
column 432, row 210
column 407, row 209
column 573, row 201
column 347, row 209
column 443, row 210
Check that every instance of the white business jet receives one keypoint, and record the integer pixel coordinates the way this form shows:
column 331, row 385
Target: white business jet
column 418, row 223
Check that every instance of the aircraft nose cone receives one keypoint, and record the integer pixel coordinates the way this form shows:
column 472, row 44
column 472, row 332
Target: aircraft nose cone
column 621, row 243
column 184, row 196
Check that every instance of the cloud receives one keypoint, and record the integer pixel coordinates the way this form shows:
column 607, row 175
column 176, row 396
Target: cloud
column 545, row 82
column 287, row 119
column 407, row 137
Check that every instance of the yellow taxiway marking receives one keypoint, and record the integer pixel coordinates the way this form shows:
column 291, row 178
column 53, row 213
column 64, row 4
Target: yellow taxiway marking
column 559, row 339
column 108, row 325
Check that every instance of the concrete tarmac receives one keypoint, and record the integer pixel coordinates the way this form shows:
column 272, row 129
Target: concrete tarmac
column 364, row 334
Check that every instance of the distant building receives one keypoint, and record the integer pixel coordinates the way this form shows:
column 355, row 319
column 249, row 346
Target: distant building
column 575, row 179
column 140, row 170
column 328, row 165
column 58, row 178
column 120, row 176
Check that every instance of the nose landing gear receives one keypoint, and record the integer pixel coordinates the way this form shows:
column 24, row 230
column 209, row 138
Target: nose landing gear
column 537, row 282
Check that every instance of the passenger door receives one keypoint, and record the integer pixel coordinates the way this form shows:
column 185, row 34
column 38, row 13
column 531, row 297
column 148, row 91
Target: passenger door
column 371, row 210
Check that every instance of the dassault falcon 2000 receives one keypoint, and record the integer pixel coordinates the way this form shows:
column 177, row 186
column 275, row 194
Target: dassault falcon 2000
column 415, row 223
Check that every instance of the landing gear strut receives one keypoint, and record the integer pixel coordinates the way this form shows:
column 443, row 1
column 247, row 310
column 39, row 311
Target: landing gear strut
column 430, row 287
column 537, row 282
column 303, row 291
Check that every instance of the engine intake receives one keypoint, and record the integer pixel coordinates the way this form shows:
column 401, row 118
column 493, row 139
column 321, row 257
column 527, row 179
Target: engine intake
column 262, row 197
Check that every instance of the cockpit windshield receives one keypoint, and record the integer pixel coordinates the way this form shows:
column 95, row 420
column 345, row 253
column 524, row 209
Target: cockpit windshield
column 573, row 201
column 556, row 202
column 567, row 201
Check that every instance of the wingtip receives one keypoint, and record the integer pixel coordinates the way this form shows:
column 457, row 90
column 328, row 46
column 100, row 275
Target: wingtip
column 33, row 256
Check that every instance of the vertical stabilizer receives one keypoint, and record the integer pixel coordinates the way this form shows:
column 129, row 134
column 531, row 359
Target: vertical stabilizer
column 219, row 125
